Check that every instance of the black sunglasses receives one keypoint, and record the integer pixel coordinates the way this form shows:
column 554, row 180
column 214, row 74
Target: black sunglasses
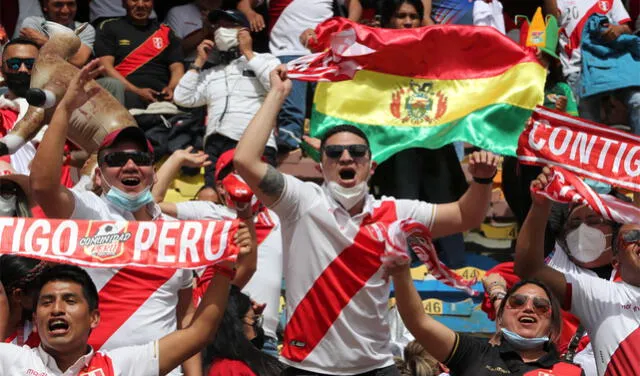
column 8, row 189
column 335, row 151
column 15, row 63
column 540, row 305
column 120, row 158
column 631, row 236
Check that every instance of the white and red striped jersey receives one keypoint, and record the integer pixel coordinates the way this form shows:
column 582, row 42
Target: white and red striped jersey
column 335, row 294
column 137, row 305
column 266, row 283
column 128, row 361
column 610, row 311
column 573, row 16
column 289, row 18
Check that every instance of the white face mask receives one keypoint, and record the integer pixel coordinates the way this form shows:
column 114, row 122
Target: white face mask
column 586, row 243
column 8, row 206
column 347, row 197
column 226, row 38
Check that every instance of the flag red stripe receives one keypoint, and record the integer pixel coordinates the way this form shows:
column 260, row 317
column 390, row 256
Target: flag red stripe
column 334, row 288
column 442, row 52
column 122, row 296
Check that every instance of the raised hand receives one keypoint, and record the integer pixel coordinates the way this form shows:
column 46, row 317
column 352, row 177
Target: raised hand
column 279, row 79
column 483, row 164
column 189, row 159
column 540, row 183
column 76, row 94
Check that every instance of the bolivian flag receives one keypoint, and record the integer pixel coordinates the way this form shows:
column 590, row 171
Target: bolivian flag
column 424, row 87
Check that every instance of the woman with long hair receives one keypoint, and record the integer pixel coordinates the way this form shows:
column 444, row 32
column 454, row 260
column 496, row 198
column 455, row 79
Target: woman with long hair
column 235, row 351
column 530, row 322
column 17, row 276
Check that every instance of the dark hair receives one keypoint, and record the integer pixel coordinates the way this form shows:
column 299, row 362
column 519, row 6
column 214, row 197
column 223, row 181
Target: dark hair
column 231, row 343
column 68, row 273
column 390, row 7
column 343, row 128
column 18, row 41
column 556, row 315
column 18, row 272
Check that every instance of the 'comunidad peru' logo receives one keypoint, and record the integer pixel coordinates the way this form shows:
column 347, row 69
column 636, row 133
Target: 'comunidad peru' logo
column 107, row 242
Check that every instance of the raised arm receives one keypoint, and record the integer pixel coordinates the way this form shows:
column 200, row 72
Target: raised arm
column 54, row 198
column 529, row 258
column 265, row 181
column 355, row 10
column 182, row 344
column 249, row 263
column 426, row 19
column 184, row 314
column 256, row 21
column 470, row 210
column 437, row 339
column 171, row 167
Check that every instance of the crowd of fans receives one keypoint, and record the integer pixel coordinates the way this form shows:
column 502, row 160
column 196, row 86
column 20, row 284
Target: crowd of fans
column 210, row 93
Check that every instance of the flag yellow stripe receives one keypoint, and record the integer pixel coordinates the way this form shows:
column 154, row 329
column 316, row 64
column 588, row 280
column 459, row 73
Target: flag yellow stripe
column 367, row 99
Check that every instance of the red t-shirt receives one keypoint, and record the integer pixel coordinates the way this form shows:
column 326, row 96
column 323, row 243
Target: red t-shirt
column 229, row 367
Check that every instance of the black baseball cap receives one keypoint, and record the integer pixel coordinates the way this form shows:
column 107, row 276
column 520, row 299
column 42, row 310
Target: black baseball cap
column 232, row 15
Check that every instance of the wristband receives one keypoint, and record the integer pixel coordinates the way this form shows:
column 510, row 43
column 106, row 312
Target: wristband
column 485, row 180
column 225, row 271
column 195, row 67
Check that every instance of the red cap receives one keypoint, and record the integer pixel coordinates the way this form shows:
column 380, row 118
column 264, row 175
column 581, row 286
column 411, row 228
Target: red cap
column 132, row 133
column 224, row 160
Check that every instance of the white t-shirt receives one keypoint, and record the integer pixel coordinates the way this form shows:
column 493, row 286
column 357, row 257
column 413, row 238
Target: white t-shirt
column 298, row 16
column 127, row 361
column 573, row 16
column 137, row 305
column 336, row 296
column 184, row 20
column 610, row 311
column 266, row 283
column 87, row 35
column 561, row 262
column 27, row 8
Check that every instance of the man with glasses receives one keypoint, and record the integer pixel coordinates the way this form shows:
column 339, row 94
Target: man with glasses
column 336, row 294
column 63, row 12
column 18, row 58
column 609, row 311
column 158, row 299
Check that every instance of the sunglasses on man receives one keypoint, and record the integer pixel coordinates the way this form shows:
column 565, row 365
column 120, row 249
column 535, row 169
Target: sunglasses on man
column 355, row 150
column 630, row 237
column 15, row 63
column 120, row 158
column 540, row 305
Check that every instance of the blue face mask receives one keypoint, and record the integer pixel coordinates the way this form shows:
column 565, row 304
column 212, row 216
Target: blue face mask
column 520, row 343
column 129, row 202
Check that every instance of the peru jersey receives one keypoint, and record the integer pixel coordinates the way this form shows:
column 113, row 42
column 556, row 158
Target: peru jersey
column 336, row 296
column 137, row 305
column 610, row 311
column 573, row 16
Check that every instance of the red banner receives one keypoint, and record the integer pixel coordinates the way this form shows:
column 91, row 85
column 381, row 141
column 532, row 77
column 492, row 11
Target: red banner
column 582, row 147
column 452, row 52
column 113, row 244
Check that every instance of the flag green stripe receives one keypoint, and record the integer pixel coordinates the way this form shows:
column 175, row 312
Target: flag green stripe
column 495, row 128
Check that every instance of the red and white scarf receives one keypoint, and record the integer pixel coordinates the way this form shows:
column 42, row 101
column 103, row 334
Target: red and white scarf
column 568, row 188
column 404, row 234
